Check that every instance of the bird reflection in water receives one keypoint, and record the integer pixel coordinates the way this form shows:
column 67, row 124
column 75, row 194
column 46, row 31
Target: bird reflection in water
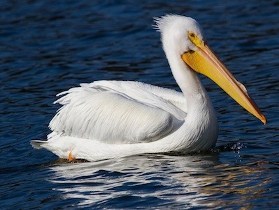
column 199, row 181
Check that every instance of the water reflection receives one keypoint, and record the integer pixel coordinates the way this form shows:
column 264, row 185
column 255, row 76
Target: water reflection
column 183, row 181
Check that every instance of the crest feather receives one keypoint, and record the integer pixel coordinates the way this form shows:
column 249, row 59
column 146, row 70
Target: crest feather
column 160, row 23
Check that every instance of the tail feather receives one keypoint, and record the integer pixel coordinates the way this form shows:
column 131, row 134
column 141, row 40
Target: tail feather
column 38, row 144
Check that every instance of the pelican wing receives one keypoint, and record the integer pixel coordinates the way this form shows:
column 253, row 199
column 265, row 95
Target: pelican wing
column 119, row 112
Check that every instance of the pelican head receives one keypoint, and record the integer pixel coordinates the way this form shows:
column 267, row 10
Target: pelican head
column 182, row 38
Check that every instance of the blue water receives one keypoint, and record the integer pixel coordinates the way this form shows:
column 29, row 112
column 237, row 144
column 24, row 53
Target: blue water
column 49, row 46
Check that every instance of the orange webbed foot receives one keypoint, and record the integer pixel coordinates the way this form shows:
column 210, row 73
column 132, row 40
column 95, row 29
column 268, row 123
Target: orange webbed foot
column 71, row 158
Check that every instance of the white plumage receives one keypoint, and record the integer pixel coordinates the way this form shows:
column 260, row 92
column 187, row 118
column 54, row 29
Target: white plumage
column 108, row 119
column 119, row 112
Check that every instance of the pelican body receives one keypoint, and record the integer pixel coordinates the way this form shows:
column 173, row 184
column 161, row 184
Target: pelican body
column 110, row 119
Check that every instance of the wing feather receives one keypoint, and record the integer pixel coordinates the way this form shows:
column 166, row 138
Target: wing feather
column 118, row 111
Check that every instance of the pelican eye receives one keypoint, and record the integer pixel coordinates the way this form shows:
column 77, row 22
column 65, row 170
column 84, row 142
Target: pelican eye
column 195, row 39
column 192, row 35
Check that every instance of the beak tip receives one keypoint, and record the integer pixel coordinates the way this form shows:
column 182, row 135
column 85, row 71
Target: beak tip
column 263, row 119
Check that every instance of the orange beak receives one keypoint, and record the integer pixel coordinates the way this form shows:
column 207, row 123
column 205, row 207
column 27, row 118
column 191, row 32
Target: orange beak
column 205, row 62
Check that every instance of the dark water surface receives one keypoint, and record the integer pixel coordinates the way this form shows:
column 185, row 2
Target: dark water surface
column 50, row 46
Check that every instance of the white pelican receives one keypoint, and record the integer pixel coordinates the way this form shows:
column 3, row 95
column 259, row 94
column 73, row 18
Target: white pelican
column 109, row 119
